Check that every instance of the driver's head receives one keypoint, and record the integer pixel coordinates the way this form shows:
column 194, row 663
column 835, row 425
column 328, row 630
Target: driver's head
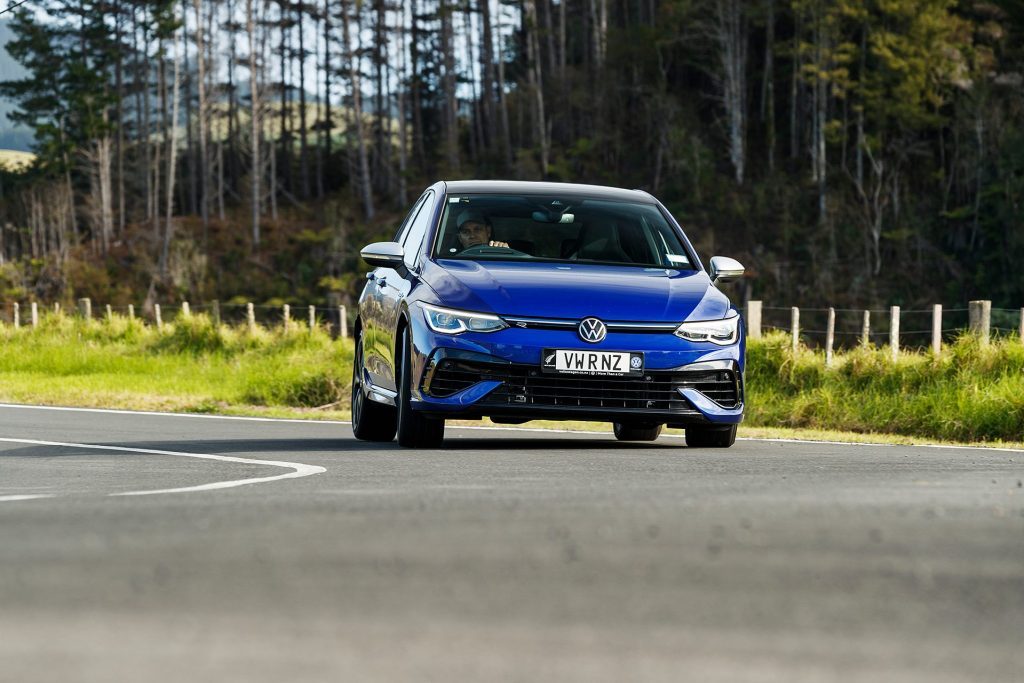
column 474, row 228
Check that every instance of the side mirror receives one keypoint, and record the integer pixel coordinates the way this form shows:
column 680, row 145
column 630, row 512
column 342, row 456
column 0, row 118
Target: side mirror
column 384, row 255
column 725, row 269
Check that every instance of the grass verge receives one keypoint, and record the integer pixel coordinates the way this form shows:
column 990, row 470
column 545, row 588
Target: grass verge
column 970, row 394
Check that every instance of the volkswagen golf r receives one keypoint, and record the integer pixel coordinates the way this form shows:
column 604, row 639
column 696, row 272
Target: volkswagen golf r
column 520, row 301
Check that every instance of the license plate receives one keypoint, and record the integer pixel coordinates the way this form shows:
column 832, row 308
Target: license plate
column 584, row 362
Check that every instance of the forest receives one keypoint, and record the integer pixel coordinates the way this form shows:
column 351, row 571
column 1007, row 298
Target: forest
column 849, row 153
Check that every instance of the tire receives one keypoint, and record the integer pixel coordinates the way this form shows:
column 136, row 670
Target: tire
column 414, row 430
column 636, row 432
column 711, row 437
column 371, row 421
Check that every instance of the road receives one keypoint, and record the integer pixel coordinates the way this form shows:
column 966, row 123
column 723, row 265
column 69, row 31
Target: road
column 508, row 556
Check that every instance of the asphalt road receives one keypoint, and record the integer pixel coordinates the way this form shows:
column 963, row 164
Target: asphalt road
column 509, row 555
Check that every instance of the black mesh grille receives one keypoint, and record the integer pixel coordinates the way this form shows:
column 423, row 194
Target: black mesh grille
column 527, row 385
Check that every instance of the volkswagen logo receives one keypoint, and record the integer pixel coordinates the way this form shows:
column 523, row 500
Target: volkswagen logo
column 592, row 330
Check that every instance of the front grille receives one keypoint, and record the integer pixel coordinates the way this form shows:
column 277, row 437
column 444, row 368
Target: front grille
column 525, row 385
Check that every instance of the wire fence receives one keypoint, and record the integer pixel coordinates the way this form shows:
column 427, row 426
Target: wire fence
column 845, row 328
column 334, row 319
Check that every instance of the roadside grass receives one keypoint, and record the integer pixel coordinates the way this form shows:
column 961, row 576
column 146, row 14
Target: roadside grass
column 190, row 365
column 967, row 395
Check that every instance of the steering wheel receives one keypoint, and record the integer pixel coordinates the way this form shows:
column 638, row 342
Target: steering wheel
column 481, row 249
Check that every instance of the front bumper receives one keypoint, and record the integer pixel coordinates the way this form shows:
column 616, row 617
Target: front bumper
column 469, row 384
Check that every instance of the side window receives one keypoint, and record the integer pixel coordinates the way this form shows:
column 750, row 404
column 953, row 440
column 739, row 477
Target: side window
column 404, row 229
column 414, row 237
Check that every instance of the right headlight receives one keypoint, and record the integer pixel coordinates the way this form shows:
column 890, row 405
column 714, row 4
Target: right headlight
column 722, row 332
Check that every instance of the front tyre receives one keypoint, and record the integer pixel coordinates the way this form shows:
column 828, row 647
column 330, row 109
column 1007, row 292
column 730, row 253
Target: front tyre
column 634, row 432
column 711, row 437
column 414, row 429
column 371, row 421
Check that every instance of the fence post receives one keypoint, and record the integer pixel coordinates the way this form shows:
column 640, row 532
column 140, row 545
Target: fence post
column 937, row 329
column 794, row 325
column 131, row 311
column 1022, row 326
column 85, row 308
column 215, row 312
column 110, row 313
column 980, row 316
column 342, row 322
column 753, row 320
column 35, row 315
column 156, row 314
column 185, row 309
column 894, row 331
column 250, row 317
column 286, row 314
column 312, row 318
column 17, row 315
column 865, row 330
column 830, row 336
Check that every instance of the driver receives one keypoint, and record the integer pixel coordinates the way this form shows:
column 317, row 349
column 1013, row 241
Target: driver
column 475, row 230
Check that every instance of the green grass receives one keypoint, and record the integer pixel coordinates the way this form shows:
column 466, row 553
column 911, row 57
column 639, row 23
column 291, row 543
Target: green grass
column 969, row 394
column 189, row 365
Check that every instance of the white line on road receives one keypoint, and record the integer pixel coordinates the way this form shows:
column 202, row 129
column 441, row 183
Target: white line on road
column 33, row 496
column 493, row 428
column 298, row 469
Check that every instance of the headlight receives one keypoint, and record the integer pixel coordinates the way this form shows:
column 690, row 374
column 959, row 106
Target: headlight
column 448, row 321
column 722, row 332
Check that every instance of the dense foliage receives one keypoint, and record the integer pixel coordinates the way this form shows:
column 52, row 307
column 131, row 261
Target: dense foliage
column 850, row 153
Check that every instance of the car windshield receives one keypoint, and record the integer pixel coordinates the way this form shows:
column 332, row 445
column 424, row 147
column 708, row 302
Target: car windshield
column 562, row 228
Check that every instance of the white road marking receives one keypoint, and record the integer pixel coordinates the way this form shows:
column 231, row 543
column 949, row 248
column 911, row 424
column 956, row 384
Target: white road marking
column 491, row 428
column 33, row 496
column 298, row 469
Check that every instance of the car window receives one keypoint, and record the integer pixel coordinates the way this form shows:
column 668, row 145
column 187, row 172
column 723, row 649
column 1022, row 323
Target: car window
column 403, row 229
column 563, row 228
column 418, row 228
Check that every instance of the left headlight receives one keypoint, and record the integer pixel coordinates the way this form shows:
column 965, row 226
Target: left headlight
column 722, row 332
column 450, row 321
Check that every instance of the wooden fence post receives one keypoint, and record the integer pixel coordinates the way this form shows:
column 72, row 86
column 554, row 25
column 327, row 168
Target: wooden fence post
column 250, row 317
column 215, row 312
column 894, row 331
column 937, row 329
column 185, row 311
column 156, row 314
column 342, row 322
column 865, row 330
column 85, row 308
column 312, row 318
column 35, row 315
column 131, row 311
column 17, row 315
column 794, row 326
column 1022, row 326
column 286, row 315
column 110, row 313
column 56, row 308
column 980, row 319
column 830, row 336
column 753, row 319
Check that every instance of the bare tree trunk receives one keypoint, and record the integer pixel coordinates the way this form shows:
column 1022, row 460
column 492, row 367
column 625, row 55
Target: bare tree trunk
column 450, row 122
column 172, row 156
column 506, row 130
column 768, row 85
column 119, row 141
column 254, row 119
column 191, row 172
column 729, row 33
column 403, row 133
column 304, row 189
column 417, row 107
column 201, row 169
column 365, row 187
column 487, row 74
column 536, row 84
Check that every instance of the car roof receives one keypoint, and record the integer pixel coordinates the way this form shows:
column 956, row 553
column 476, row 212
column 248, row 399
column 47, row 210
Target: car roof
column 525, row 187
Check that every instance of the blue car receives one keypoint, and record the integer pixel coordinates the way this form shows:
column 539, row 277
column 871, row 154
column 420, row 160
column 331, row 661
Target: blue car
column 521, row 301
